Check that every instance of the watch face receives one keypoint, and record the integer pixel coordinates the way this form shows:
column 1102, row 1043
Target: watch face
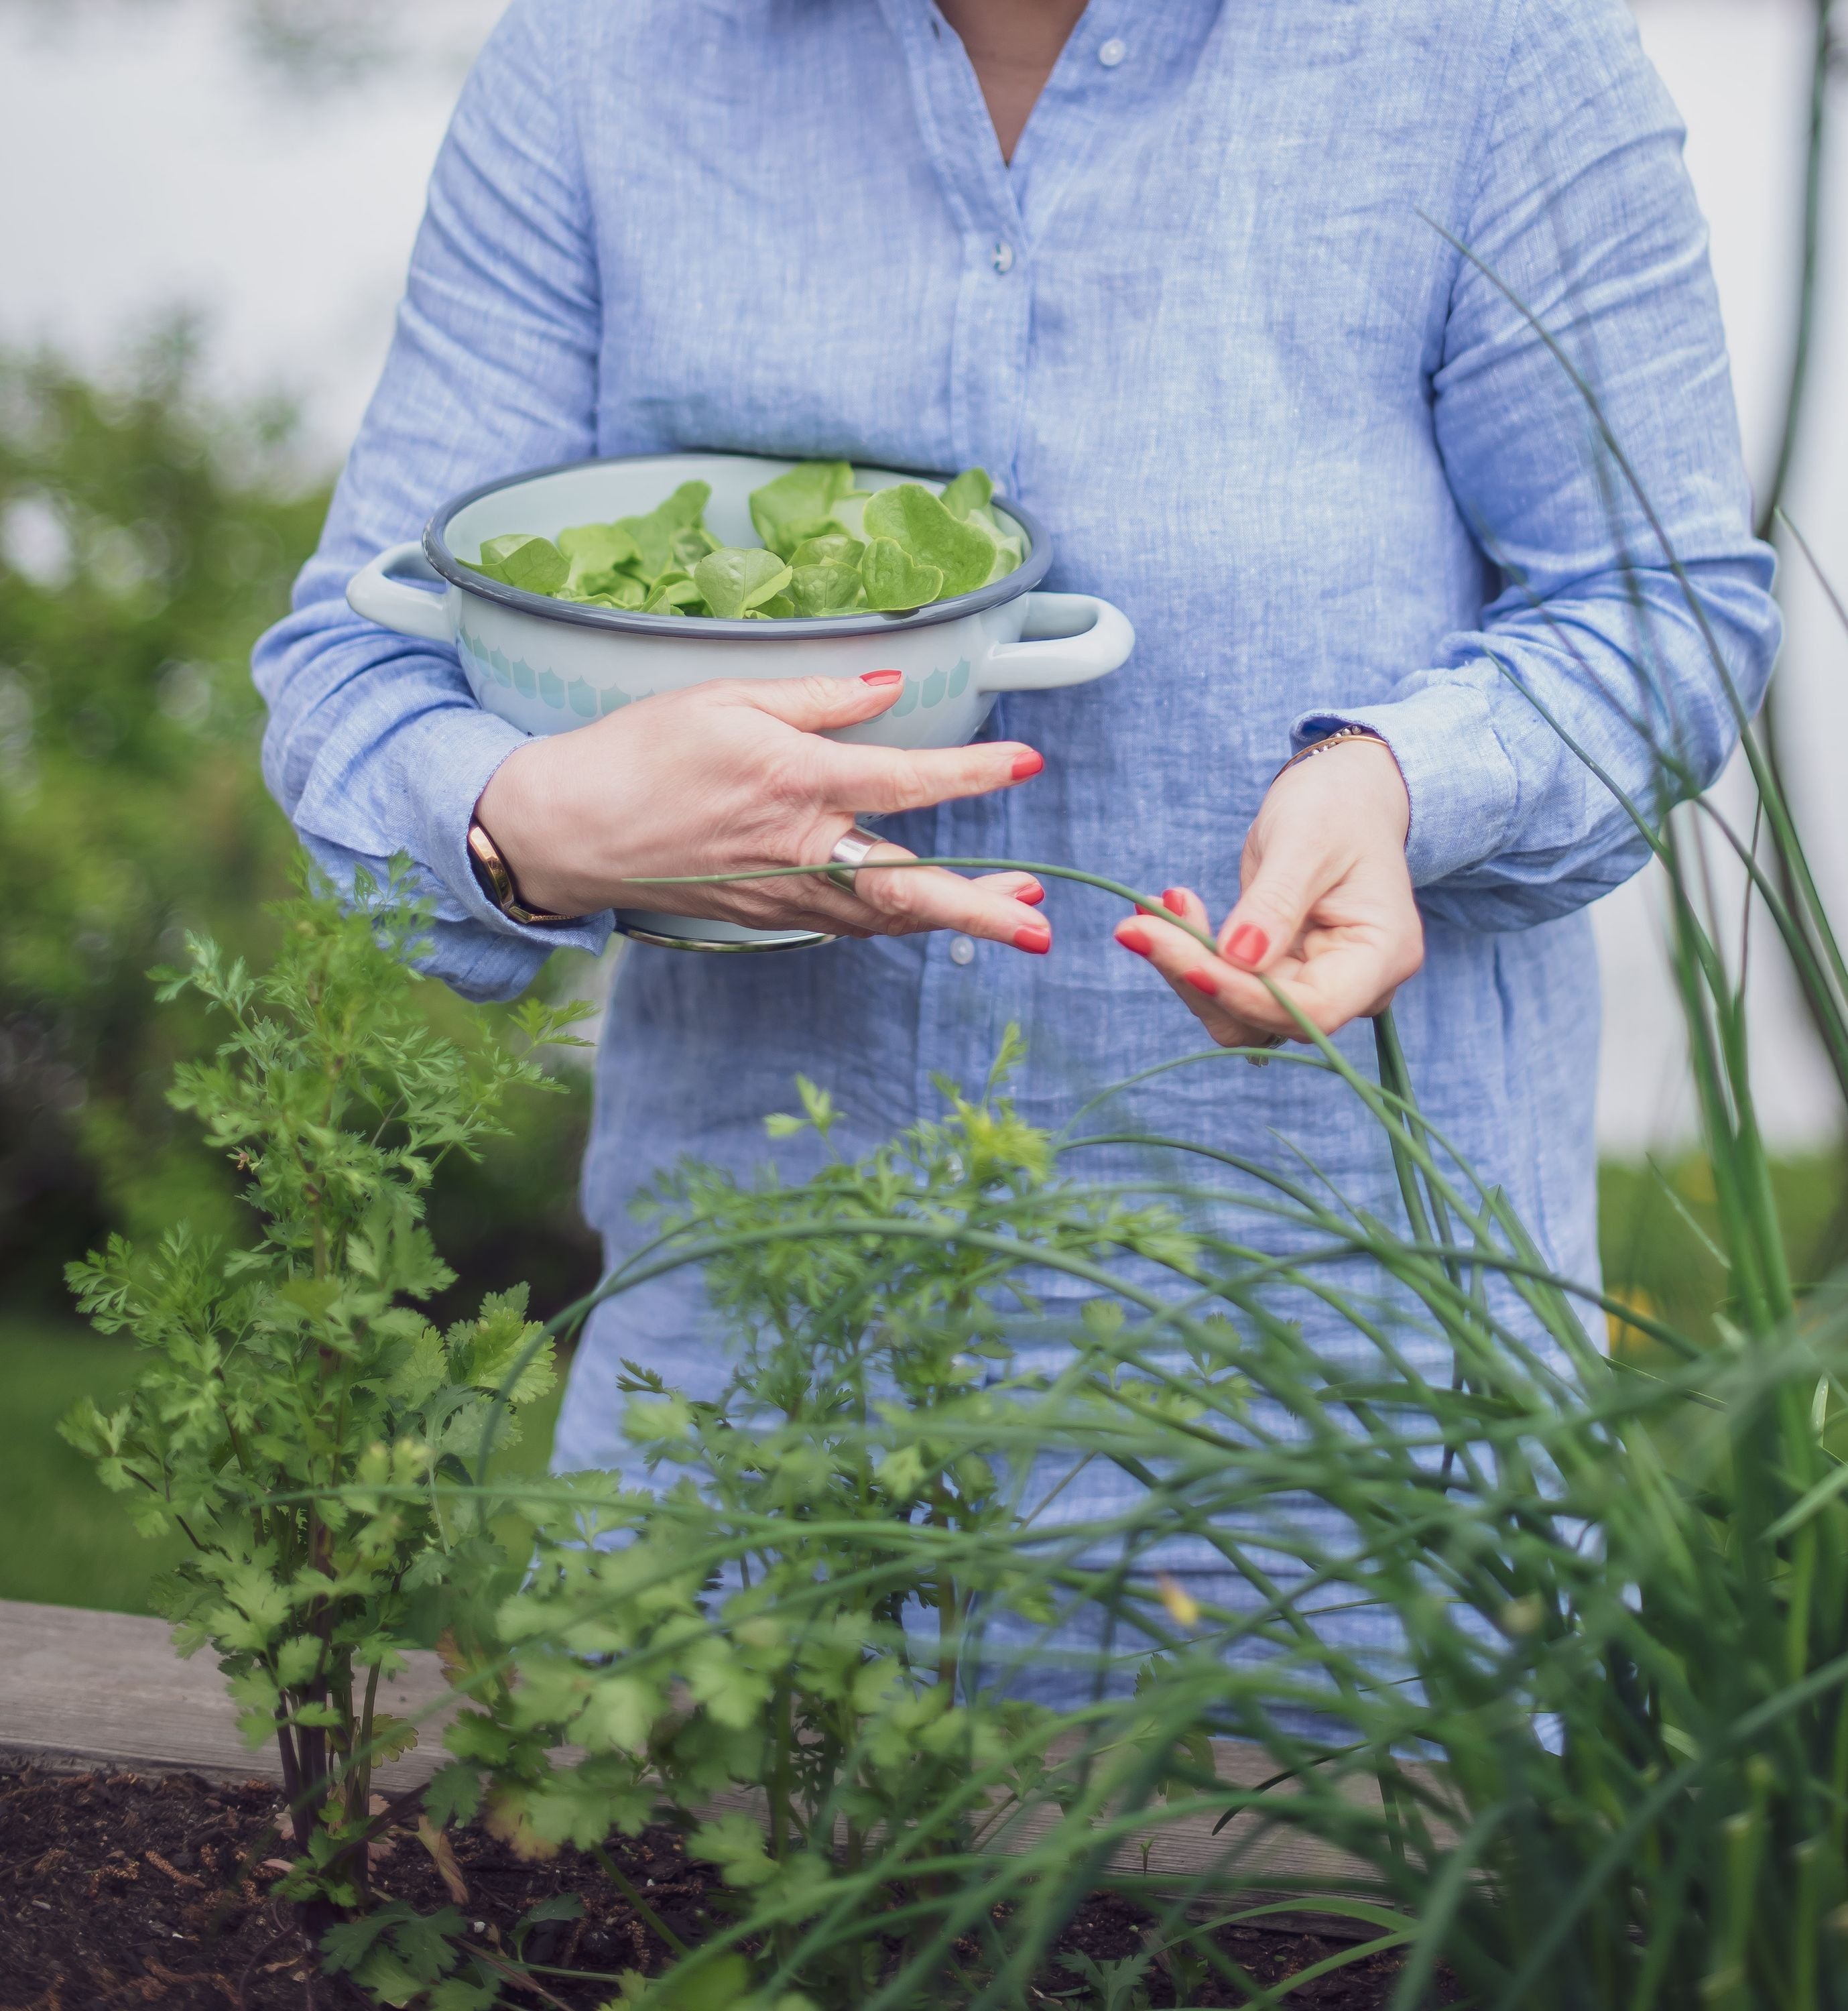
column 495, row 883
column 490, row 874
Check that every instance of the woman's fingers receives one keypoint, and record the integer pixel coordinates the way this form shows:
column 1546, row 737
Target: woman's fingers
column 1272, row 908
column 856, row 776
column 1326, row 926
column 812, row 705
column 1332, row 976
column 1185, row 905
column 716, row 782
column 1020, row 886
column 999, row 907
column 881, row 780
column 1337, row 979
column 1193, row 972
column 1214, row 990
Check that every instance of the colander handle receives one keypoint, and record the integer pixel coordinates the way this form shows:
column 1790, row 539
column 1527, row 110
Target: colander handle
column 378, row 591
column 1069, row 638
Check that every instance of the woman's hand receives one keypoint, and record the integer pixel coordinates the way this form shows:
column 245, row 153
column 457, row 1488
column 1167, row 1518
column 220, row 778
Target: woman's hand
column 732, row 775
column 1325, row 910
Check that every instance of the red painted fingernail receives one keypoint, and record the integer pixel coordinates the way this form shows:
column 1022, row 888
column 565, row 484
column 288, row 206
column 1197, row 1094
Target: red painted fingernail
column 1174, row 901
column 1248, row 945
column 1035, row 942
column 882, row 676
column 1134, row 939
column 1200, row 982
column 1032, row 896
column 1027, row 763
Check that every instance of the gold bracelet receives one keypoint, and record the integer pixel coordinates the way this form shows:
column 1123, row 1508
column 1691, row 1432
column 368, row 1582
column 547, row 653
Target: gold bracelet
column 1329, row 740
column 495, row 880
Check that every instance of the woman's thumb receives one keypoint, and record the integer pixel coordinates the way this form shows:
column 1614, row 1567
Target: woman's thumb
column 1270, row 913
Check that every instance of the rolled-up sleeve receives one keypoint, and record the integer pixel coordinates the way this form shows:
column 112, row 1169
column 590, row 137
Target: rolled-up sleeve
column 375, row 744
column 1634, row 616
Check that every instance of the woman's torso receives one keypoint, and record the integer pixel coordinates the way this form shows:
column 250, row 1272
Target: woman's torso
column 1194, row 328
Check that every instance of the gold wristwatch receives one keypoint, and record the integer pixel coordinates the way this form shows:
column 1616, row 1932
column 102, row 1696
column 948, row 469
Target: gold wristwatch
column 491, row 876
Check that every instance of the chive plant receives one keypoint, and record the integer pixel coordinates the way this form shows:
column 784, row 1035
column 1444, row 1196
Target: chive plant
column 1592, row 1748
column 1547, row 1654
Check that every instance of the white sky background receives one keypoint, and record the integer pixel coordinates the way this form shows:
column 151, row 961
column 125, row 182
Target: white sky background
column 153, row 166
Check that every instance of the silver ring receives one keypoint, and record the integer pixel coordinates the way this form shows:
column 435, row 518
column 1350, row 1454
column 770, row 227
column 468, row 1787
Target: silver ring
column 851, row 851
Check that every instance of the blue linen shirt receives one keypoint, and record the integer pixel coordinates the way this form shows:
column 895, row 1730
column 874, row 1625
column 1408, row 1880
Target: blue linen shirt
column 1210, row 325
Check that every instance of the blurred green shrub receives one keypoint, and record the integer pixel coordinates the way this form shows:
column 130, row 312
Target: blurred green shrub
column 147, row 533
column 1660, row 1227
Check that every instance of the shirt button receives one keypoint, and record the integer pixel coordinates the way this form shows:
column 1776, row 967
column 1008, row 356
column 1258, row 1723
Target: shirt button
column 961, row 950
column 1113, row 52
column 1002, row 258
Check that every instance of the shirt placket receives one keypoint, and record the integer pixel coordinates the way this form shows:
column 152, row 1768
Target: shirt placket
column 969, row 989
column 967, row 992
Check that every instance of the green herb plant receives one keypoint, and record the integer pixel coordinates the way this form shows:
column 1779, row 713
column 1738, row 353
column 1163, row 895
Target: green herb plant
column 829, row 548
column 1542, row 1654
column 1540, row 1658
column 778, row 1646
column 296, row 1417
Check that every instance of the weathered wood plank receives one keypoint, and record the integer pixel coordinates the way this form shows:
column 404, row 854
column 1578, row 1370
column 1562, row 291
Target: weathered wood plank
column 1255, row 1855
column 106, row 1690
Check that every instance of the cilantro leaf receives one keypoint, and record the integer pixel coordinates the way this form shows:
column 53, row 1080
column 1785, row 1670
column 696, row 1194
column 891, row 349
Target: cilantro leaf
column 735, row 1844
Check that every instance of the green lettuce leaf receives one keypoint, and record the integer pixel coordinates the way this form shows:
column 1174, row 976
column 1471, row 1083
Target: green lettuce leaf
column 827, row 588
column 535, row 565
column 597, row 548
column 1009, row 550
column 832, row 548
column 796, row 506
column 674, row 593
column 913, row 518
column 735, row 580
column 691, row 544
column 829, row 548
column 895, row 580
column 654, row 534
column 615, row 590
column 970, row 489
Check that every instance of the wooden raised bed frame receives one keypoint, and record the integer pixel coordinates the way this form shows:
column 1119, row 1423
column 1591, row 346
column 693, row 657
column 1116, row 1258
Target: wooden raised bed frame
column 106, row 1692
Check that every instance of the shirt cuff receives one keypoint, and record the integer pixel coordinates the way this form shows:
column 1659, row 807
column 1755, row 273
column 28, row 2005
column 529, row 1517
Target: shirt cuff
column 1461, row 784
column 417, row 794
column 445, row 845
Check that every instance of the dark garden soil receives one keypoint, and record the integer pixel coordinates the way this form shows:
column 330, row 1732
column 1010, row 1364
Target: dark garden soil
column 119, row 1890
